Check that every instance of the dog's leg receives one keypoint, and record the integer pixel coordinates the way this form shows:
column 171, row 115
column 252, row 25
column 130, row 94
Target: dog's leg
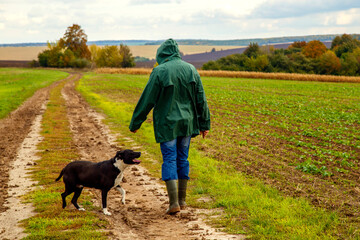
column 75, row 198
column 123, row 193
column 65, row 194
column 104, row 193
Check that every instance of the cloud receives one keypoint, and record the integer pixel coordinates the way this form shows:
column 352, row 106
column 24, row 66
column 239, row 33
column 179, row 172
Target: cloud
column 144, row 2
column 297, row 8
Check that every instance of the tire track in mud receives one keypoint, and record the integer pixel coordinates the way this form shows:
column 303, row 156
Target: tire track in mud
column 18, row 146
column 13, row 130
column 143, row 215
column 20, row 184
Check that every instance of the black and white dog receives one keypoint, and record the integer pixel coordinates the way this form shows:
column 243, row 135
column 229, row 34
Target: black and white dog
column 102, row 175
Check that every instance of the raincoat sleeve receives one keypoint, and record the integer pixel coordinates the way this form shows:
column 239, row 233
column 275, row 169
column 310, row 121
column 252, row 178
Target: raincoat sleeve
column 202, row 106
column 146, row 102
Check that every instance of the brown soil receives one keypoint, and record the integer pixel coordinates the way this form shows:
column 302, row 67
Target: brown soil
column 142, row 217
column 13, row 131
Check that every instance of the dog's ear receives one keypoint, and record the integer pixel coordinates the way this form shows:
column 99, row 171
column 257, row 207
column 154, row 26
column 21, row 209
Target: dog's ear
column 119, row 155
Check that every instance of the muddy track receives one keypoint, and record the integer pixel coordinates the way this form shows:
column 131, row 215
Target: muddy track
column 142, row 217
column 13, row 130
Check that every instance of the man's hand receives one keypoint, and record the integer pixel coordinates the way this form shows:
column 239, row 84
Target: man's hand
column 204, row 133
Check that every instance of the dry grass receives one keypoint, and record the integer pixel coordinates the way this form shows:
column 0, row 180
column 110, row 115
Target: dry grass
column 232, row 74
column 280, row 76
column 135, row 71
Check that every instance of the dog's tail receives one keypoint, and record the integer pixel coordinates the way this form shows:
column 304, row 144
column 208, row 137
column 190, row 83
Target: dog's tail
column 61, row 174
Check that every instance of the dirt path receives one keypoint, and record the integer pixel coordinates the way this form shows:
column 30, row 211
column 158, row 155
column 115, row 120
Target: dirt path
column 146, row 201
column 19, row 183
column 13, row 130
column 19, row 137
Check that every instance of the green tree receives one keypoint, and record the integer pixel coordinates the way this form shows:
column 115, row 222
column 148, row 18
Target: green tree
column 211, row 65
column 280, row 62
column 234, row 62
column 253, row 50
column 43, row 58
column 349, row 64
column 329, row 63
column 335, row 42
column 127, row 58
column 55, row 55
column 344, row 44
column 258, row 64
column 339, row 40
column 301, row 64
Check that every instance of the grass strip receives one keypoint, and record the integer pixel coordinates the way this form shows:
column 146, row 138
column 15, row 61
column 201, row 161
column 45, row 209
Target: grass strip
column 56, row 150
column 247, row 205
column 16, row 85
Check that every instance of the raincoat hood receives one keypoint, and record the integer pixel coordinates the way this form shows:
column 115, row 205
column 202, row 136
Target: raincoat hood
column 167, row 51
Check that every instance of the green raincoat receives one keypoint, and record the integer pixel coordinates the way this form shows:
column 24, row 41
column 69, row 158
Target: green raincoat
column 176, row 93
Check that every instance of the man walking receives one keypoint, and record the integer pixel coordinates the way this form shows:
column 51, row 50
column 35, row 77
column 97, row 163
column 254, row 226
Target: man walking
column 176, row 93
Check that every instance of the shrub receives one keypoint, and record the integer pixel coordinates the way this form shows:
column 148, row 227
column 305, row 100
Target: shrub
column 329, row 63
column 80, row 63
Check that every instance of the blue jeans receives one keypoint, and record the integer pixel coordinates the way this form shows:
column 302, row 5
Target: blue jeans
column 175, row 159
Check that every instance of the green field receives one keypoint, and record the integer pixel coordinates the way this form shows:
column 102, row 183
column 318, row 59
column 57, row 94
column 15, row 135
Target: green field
column 281, row 160
column 16, row 85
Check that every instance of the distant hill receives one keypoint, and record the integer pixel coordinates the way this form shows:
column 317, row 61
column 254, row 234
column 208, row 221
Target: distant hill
column 260, row 41
column 235, row 42
column 99, row 43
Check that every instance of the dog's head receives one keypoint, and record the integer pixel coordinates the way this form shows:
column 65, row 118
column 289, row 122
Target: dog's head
column 128, row 156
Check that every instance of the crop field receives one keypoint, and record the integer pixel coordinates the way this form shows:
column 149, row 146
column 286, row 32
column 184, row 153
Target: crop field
column 281, row 160
column 148, row 51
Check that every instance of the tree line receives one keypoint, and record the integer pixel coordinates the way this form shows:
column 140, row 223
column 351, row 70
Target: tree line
column 72, row 51
column 260, row 41
column 343, row 58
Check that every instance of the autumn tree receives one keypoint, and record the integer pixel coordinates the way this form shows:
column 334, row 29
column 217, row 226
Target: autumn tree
column 69, row 51
column 298, row 44
column 95, row 52
column 75, row 39
column 314, row 49
column 109, row 56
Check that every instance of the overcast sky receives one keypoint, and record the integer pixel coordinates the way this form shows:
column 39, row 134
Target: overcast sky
column 47, row 20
